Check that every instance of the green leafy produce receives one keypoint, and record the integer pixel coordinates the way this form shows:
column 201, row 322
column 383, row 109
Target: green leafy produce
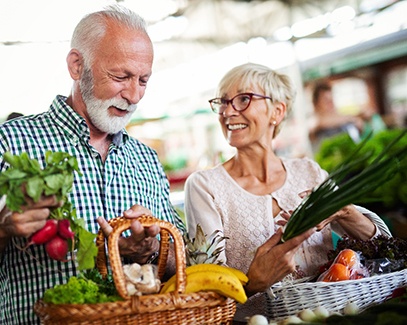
column 106, row 284
column 26, row 179
column 389, row 195
column 346, row 185
column 334, row 150
column 393, row 248
column 79, row 290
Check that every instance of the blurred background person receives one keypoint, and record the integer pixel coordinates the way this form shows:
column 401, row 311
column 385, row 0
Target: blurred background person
column 327, row 121
column 13, row 115
column 373, row 122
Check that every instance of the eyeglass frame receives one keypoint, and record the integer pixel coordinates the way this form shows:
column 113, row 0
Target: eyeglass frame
column 230, row 101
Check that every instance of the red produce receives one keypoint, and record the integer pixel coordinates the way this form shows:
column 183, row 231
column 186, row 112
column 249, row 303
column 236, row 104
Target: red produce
column 45, row 234
column 57, row 248
column 64, row 229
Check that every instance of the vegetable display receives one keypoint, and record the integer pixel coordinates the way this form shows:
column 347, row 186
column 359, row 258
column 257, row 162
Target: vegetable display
column 391, row 195
column 342, row 188
column 25, row 180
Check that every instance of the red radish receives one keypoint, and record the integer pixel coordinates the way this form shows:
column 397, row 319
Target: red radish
column 45, row 234
column 57, row 248
column 64, row 229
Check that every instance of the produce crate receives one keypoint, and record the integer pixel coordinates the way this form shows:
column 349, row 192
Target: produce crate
column 173, row 308
column 288, row 299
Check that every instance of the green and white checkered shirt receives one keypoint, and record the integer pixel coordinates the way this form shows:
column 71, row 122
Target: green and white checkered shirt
column 131, row 174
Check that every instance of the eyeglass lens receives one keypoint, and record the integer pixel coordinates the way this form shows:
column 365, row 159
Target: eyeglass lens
column 240, row 102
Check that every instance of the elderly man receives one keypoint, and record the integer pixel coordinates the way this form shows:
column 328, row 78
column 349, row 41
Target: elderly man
column 110, row 62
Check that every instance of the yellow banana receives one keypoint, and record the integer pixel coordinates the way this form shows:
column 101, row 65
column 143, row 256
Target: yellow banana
column 226, row 284
column 218, row 268
column 208, row 267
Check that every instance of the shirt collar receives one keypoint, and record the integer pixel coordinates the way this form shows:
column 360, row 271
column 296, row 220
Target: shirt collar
column 74, row 125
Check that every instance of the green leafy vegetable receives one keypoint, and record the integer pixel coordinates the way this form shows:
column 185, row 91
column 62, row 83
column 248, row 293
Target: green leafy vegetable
column 390, row 195
column 26, row 179
column 341, row 189
column 79, row 290
column 393, row 248
column 106, row 283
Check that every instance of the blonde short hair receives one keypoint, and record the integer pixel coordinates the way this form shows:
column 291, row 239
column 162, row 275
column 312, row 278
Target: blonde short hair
column 278, row 86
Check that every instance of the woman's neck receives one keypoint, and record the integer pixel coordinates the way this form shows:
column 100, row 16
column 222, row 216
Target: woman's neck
column 257, row 174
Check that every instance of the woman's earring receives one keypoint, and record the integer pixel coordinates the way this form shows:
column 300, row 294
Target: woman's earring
column 274, row 122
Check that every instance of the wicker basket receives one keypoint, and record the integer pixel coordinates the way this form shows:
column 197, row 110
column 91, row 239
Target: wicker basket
column 287, row 300
column 175, row 307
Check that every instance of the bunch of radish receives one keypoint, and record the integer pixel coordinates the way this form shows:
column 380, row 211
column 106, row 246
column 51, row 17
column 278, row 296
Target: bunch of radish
column 27, row 180
column 55, row 235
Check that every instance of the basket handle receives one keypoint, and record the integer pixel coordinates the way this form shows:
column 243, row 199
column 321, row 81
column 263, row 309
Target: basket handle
column 121, row 224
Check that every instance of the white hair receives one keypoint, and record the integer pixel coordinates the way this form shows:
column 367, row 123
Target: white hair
column 91, row 29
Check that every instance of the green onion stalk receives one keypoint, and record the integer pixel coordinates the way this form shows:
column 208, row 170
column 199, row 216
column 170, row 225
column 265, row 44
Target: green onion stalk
column 345, row 186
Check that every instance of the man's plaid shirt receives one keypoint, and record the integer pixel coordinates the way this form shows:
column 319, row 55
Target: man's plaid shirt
column 131, row 174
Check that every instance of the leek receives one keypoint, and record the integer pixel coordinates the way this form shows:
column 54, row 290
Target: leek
column 339, row 190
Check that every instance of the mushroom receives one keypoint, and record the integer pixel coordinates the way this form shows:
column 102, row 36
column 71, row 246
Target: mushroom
column 141, row 279
column 149, row 282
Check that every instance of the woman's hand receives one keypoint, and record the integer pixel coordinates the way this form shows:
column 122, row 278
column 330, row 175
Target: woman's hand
column 142, row 243
column 353, row 222
column 284, row 216
column 273, row 261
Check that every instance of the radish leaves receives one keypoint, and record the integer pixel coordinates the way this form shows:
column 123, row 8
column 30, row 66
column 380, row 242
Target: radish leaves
column 26, row 179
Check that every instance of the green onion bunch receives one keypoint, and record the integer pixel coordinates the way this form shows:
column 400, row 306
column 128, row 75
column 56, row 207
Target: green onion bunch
column 344, row 186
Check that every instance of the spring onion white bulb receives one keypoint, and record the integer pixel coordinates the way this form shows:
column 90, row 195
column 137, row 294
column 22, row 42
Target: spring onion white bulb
column 307, row 315
column 351, row 309
column 321, row 312
column 292, row 320
column 258, row 320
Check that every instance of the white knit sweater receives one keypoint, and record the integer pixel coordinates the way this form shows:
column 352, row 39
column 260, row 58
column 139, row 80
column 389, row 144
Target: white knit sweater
column 215, row 201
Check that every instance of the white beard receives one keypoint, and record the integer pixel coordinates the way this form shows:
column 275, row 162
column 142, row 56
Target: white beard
column 98, row 111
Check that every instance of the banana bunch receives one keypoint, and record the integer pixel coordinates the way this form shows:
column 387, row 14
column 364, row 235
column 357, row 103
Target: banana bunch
column 224, row 280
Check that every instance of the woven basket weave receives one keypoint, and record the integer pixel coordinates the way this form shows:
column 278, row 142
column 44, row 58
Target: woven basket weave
column 174, row 308
column 289, row 299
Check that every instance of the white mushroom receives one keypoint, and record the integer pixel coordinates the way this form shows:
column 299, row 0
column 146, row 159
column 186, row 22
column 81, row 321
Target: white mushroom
column 131, row 289
column 149, row 282
column 133, row 272
column 141, row 279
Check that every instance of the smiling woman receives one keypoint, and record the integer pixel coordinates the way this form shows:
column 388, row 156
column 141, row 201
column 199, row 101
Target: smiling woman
column 248, row 197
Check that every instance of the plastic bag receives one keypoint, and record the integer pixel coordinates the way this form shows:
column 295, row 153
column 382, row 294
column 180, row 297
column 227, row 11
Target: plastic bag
column 346, row 266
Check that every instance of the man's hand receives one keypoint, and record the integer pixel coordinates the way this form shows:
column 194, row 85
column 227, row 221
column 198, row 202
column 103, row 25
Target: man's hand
column 24, row 224
column 142, row 242
column 32, row 218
